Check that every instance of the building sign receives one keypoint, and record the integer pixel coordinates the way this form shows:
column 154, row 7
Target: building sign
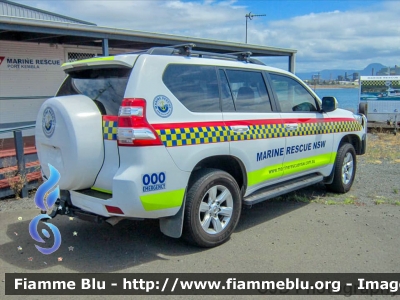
column 18, row 63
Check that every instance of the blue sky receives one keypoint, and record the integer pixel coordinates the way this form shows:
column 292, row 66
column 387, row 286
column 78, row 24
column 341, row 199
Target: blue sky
column 346, row 34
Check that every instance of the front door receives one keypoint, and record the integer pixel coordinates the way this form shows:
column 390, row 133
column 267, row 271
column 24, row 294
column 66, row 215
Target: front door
column 309, row 142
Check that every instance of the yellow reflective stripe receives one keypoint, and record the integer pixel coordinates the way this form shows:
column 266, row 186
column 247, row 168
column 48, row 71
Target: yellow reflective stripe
column 268, row 173
column 290, row 167
column 89, row 60
column 101, row 190
column 162, row 200
column 308, row 163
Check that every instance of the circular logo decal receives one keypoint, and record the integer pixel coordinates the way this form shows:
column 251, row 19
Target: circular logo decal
column 162, row 106
column 48, row 122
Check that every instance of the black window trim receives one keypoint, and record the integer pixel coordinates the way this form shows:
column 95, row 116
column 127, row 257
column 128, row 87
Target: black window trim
column 271, row 93
column 220, row 88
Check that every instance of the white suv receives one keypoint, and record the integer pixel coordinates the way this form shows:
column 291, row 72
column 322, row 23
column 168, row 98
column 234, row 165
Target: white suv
column 188, row 138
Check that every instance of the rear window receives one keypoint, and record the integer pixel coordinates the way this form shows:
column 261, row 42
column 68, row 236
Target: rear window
column 196, row 87
column 105, row 86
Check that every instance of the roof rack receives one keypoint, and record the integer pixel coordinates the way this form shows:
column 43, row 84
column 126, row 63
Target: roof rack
column 184, row 49
column 187, row 50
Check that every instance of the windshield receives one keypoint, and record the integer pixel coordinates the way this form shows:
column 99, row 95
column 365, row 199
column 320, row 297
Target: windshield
column 106, row 86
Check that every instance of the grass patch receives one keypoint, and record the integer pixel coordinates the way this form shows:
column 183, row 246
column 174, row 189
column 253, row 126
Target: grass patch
column 332, row 195
column 15, row 180
column 379, row 202
column 319, row 200
column 277, row 199
column 348, row 201
column 300, row 198
column 396, row 203
column 396, row 191
column 293, row 197
column 383, row 146
column 330, row 202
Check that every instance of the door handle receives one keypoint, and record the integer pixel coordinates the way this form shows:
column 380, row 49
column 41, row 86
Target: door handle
column 292, row 126
column 240, row 128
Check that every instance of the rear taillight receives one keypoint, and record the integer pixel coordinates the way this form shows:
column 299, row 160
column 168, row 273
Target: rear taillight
column 133, row 128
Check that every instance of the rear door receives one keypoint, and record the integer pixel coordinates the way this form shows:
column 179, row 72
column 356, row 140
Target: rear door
column 308, row 131
column 256, row 132
column 193, row 129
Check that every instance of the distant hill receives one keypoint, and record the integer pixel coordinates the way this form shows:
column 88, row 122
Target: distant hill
column 328, row 74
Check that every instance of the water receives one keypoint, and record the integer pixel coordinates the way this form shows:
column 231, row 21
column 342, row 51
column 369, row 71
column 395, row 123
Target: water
column 347, row 98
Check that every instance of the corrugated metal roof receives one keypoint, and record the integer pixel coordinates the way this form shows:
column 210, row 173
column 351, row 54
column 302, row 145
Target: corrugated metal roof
column 78, row 34
column 22, row 29
column 12, row 9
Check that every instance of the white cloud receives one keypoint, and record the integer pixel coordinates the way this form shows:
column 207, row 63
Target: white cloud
column 337, row 39
column 349, row 39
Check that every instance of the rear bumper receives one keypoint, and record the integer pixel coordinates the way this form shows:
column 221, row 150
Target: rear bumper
column 138, row 189
column 64, row 206
column 131, row 207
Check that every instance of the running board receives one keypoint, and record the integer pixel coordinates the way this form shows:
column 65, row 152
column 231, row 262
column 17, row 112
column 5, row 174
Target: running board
column 282, row 188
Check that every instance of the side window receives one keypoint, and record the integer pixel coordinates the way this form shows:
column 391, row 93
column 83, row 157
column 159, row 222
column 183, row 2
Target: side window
column 226, row 95
column 249, row 91
column 196, row 87
column 292, row 96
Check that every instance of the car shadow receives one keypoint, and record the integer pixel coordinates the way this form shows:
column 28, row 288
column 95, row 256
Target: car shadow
column 274, row 208
column 101, row 248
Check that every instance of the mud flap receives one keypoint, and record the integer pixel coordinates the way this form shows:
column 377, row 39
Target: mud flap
column 329, row 179
column 172, row 226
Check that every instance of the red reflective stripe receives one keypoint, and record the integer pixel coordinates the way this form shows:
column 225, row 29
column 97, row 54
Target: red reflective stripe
column 316, row 120
column 187, row 124
column 248, row 122
column 253, row 122
column 110, row 118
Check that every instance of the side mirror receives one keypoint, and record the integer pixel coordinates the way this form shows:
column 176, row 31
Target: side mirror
column 329, row 104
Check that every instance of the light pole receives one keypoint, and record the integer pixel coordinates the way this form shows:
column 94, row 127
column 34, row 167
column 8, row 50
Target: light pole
column 250, row 17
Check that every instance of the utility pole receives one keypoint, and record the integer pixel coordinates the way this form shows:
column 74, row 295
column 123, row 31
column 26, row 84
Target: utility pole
column 250, row 16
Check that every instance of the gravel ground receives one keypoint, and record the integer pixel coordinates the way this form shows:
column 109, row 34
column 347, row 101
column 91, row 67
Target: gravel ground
column 377, row 182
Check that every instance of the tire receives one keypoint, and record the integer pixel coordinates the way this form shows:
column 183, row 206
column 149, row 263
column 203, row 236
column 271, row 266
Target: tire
column 362, row 108
column 209, row 222
column 345, row 169
column 75, row 147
